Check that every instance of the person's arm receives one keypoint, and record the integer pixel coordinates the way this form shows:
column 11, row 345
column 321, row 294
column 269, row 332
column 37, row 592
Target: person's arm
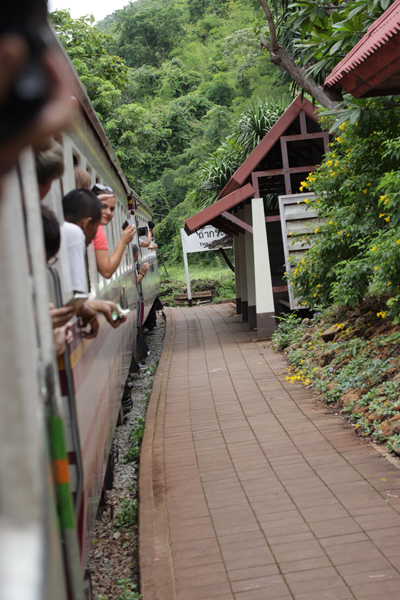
column 106, row 264
column 147, row 243
column 143, row 271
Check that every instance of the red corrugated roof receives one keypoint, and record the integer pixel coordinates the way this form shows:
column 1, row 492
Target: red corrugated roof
column 378, row 34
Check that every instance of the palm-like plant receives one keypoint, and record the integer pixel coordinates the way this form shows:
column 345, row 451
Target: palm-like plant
column 253, row 124
column 256, row 120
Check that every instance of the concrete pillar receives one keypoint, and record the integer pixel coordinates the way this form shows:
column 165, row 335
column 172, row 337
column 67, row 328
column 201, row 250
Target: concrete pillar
column 251, row 289
column 265, row 310
column 236, row 255
column 243, row 270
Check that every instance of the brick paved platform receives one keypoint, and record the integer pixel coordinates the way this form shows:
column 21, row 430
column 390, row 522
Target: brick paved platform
column 249, row 489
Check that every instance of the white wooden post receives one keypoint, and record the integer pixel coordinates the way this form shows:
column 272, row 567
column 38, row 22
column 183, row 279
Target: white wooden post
column 185, row 262
column 265, row 310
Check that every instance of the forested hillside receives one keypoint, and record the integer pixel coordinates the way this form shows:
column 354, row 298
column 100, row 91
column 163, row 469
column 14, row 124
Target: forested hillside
column 189, row 69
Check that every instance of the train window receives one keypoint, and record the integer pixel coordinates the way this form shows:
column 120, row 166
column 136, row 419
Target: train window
column 89, row 170
column 76, row 157
column 98, row 179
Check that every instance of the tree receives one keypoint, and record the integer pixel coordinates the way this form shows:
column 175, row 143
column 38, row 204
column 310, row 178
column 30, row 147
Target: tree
column 147, row 36
column 318, row 35
column 86, row 47
column 357, row 247
column 103, row 75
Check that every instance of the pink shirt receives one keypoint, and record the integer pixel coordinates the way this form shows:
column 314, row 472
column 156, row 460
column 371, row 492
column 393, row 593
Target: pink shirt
column 100, row 240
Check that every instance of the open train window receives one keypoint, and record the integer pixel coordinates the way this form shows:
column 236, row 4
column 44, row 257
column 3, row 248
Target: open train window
column 76, row 157
column 89, row 170
column 98, row 179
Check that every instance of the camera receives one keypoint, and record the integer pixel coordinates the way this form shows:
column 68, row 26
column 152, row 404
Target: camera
column 32, row 88
column 142, row 231
column 127, row 224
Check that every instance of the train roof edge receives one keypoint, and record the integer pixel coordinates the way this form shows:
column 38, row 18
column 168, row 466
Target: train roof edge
column 84, row 101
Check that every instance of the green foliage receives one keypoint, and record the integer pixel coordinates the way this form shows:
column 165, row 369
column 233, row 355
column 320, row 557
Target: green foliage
column 253, row 124
column 127, row 590
column 103, row 75
column 135, row 439
column 256, row 120
column 220, row 280
column 145, row 33
column 319, row 34
column 129, row 514
column 169, row 79
column 357, row 249
column 288, row 331
column 365, row 367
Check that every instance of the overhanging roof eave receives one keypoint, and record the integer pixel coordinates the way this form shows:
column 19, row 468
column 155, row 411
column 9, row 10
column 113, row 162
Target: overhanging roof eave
column 204, row 217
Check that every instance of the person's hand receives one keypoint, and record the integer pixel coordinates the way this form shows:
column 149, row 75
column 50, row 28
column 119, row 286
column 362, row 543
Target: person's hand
column 88, row 316
column 153, row 246
column 60, row 316
column 145, row 267
column 106, row 307
column 60, row 336
column 127, row 234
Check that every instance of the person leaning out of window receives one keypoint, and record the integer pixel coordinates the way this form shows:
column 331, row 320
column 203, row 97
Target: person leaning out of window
column 106, row 264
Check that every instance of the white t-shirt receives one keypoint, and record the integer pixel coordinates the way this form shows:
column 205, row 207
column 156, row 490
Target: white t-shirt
column 76, row 247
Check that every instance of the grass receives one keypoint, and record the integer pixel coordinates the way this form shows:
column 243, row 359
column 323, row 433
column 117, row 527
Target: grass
column 221, row 282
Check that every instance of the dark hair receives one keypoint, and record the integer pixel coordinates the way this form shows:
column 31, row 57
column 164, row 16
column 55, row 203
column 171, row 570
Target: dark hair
column 80, row 204
column 51, row 230
column 135, row 249
column 151, row 224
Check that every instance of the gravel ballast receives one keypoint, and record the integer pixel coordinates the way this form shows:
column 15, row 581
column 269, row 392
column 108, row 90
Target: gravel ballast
column 114, row 555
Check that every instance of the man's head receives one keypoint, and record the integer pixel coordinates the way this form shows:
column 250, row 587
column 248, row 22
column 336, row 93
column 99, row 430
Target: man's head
column 51, row 231
column 83, row 208
column 49, row 162
column 135, row 251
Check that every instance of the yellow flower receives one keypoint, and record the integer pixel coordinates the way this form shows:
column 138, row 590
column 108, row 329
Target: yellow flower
column 373, row 248
column 381, row 314
column 376, row 268
column 301, row 188
column 339, row 233
column 306, row 201
column 330, row 223
column 365, row 191
column 382, row 215
column 316, row 230
column 398, row 242
column 387, row 219
column 390, row 283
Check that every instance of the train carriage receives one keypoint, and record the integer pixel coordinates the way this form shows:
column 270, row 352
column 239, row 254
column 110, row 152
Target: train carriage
column 88, row 387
